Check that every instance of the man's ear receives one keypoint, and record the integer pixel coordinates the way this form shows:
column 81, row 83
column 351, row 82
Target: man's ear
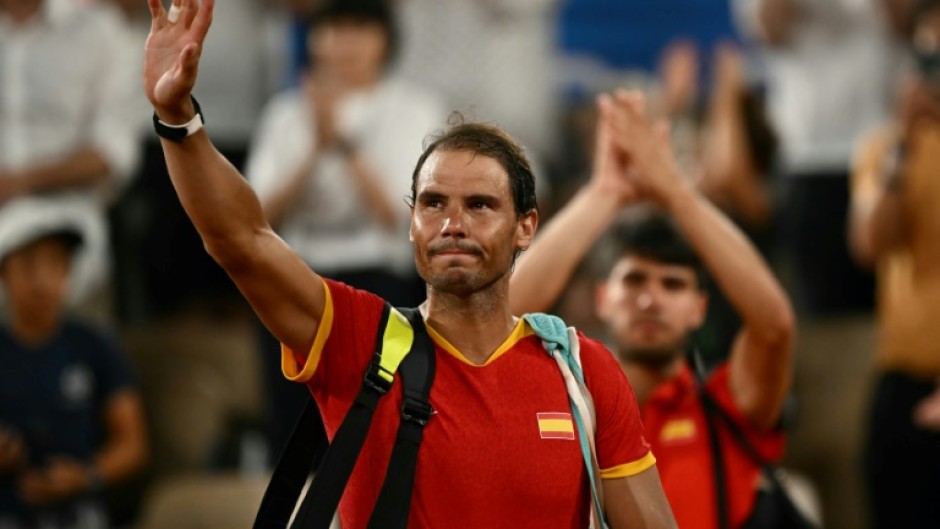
column 411, row 225
column 525, row 229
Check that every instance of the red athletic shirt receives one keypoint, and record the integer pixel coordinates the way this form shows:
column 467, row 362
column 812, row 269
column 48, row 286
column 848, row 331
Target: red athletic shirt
column 675, row 426
column 501, row 449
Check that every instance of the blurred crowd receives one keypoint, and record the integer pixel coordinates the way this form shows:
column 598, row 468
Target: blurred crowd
column 137, row 388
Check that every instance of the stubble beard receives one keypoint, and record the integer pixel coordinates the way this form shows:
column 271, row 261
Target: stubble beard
column 658, row 357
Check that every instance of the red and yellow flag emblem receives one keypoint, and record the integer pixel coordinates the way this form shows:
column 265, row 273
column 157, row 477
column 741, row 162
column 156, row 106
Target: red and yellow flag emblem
column 555, row 425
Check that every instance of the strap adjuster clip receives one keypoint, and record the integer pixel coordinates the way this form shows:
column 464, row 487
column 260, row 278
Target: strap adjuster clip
column 375, row 380
column 416, row 411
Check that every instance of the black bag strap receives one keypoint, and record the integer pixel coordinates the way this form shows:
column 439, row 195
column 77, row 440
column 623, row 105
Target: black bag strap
column 322, row 499
column 714, row 410
column 308, row 447
column 417, row 372
column 301, row 455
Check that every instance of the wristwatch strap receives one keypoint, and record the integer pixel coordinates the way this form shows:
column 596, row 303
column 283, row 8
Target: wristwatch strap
column 177, row 133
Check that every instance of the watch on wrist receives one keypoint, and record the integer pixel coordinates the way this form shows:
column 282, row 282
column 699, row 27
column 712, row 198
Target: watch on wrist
column 178, row 133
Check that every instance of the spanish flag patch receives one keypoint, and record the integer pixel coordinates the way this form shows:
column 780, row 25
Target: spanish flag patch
column 555, row 425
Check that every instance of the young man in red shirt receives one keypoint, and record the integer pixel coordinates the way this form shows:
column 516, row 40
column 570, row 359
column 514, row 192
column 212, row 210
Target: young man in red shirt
column 653, row 299
column 496, row 453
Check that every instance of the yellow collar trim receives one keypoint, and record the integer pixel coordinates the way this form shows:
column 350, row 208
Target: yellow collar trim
column 520, row 331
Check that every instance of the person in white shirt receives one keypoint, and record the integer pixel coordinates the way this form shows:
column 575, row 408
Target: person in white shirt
column 67, row 123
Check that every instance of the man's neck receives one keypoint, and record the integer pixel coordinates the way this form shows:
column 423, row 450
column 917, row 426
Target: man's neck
column 20, row 11
column 644, row 378
column 31, row 332
column 476, row 324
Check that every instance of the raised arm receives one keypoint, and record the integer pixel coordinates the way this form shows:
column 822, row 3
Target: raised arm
column 543, row 271
column 281, row 288
column 878, row 222
column 761, row 355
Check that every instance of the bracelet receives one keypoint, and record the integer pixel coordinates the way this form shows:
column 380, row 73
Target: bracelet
column 177, row 133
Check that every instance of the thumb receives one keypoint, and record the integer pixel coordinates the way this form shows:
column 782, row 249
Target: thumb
column 189, row 62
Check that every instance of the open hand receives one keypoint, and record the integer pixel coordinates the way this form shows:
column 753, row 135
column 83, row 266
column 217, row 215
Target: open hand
column 171, row 56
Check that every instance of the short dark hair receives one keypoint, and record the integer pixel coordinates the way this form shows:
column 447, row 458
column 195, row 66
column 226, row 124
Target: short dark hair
column 378, row 11
column 493, row 142
column 653, row 235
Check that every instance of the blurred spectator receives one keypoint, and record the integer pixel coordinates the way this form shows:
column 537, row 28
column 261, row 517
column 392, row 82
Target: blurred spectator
column 736, row 148
column 896, row 228
column 162, row 266
column 71, row 422
column 830, row 71
column 332, row 161
column 67, row 123
column 491, row 59
column 831, row 68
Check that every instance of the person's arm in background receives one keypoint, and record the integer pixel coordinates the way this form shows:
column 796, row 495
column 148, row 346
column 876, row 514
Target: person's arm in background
column 876, row 221
column 124, row 452
column 730, row 176
column 760, row 361
column 110, row 150
column 288, row 297
column 543, row 271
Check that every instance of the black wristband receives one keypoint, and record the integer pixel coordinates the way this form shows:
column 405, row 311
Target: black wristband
column 178, row 133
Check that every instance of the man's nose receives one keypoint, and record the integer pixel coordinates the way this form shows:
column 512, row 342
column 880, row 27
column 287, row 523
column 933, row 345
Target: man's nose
column 454, row 223
column 647, row 300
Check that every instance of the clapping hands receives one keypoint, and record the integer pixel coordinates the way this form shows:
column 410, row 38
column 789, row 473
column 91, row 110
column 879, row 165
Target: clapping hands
column 633, row 156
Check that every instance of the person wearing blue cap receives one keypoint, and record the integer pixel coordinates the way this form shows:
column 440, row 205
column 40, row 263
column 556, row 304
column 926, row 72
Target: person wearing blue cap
column 71, row 420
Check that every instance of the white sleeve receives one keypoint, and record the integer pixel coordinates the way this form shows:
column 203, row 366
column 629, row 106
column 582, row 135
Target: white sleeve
column 277, row 145
column 115, row 120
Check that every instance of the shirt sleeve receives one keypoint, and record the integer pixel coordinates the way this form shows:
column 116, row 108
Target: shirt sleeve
column 115, row 123
column 622, row 449
column 282, row 140
column 113, row 372
column 342, row 349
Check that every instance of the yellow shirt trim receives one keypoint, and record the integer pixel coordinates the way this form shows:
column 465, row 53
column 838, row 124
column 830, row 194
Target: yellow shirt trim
column 629, row 469
column 521, row 330
column 292, row 371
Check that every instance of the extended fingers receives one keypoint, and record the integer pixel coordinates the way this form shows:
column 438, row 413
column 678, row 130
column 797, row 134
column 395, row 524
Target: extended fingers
column 157, row 13
column 202, row 20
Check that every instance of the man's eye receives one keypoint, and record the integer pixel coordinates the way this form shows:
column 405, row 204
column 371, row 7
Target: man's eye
column 479, row 205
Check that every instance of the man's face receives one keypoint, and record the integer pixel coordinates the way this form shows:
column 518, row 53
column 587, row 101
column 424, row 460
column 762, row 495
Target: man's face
column 35, row 278
column 464, row 225
column 650, row 308
column 354, row 50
